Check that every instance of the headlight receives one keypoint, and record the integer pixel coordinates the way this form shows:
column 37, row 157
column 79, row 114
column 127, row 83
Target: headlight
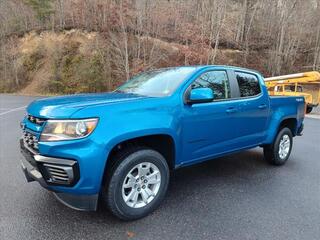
column 59, row 130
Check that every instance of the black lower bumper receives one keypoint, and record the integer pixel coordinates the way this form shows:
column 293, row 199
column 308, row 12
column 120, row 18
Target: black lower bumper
column 32, row 174
column 78, row 202
column 50, row 172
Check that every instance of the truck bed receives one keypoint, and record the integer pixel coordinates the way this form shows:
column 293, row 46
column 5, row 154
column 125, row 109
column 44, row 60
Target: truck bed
column 284, row 107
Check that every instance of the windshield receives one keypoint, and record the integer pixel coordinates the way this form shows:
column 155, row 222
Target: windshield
column 157, row 83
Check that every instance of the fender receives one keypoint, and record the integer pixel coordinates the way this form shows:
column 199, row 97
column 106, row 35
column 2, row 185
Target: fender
column 274, row 125
column 132, row 135
column 141, row 133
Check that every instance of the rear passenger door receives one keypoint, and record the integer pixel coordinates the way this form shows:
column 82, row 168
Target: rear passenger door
column 253, row 109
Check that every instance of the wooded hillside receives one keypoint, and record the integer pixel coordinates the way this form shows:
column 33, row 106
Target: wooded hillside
column 66, row 46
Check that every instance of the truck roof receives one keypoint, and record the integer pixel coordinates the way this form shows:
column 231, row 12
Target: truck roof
column 198, row 67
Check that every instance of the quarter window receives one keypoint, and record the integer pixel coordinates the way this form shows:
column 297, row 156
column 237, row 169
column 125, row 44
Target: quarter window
column 248, row 84
column 217, row 81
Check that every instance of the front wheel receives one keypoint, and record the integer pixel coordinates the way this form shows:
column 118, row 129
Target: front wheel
column 138, row 183
column 279, row 151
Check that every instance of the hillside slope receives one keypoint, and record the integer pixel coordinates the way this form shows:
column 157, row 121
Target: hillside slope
column 78, row 61
column 54, row 46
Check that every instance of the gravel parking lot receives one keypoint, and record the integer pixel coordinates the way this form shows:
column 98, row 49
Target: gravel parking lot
column 235, row 197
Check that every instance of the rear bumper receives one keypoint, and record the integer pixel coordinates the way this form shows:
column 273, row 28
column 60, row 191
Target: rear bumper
column 50, row 172
column 300, row 130
column 312, row 105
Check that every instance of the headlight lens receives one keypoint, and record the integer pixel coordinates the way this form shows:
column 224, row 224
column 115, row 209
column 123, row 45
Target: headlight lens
column 59, row 130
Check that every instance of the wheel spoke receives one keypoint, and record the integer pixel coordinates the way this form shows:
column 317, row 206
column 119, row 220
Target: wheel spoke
column 131, row 181
column 133, row 195
column 144, row 196
column 153, row 178
column 142, row 171
column 149, row 192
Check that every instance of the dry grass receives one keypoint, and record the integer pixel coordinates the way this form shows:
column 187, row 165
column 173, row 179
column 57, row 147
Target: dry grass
column 49, row 46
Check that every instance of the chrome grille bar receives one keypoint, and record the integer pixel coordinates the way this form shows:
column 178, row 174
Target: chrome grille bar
column 30, row 141
column 59, row 174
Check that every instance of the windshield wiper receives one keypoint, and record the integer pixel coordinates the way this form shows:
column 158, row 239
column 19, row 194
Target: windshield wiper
column 119, row 91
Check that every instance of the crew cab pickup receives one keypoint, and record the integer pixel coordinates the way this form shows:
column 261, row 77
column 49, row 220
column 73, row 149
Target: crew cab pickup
column 120, row 147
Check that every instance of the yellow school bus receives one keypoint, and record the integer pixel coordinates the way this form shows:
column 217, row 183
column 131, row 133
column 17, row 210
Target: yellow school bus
column 305, row 84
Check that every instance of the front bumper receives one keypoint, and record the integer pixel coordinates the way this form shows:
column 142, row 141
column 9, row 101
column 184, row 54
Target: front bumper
column 50, row 172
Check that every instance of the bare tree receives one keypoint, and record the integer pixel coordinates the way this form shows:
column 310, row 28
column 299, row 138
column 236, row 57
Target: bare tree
column 274, row 37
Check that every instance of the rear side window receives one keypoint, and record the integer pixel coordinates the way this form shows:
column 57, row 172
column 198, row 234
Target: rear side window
column 217, row 81
column 248, row 84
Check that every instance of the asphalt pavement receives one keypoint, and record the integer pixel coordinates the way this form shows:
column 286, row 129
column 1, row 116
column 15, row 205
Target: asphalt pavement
column 235, row 197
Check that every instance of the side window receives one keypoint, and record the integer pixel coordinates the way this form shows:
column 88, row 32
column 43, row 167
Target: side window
column 278, row 88
column 289, row 88
column 299, row 89
column 217, row 81
column 248, row 84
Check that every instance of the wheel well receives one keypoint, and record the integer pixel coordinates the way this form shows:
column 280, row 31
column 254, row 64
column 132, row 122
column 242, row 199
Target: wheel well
column 290, row 123
column 161, row 143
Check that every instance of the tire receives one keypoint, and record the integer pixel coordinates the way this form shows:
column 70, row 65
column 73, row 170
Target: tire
column 273, row 154
column 142, row 197
column 309, row 109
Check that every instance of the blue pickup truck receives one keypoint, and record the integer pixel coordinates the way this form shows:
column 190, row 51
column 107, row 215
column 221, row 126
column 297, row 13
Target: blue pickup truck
column 120, row 147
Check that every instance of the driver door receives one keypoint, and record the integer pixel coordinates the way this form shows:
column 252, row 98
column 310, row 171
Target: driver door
column 210, row 129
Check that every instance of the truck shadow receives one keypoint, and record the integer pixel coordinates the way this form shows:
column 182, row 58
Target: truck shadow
column 193, row 190
column 230, row 172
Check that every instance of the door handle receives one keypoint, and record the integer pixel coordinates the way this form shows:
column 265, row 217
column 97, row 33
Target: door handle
column 231, row 110
column 262, row 106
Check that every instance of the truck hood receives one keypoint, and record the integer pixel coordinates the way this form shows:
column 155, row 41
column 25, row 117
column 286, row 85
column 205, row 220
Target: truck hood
column 66, row 106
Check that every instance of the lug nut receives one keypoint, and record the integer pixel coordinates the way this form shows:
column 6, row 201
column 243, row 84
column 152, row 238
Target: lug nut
column 139, row 189
column 143, row 186
column 145, row 181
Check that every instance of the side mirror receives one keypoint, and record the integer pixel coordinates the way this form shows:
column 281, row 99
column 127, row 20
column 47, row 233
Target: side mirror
column 200, row 95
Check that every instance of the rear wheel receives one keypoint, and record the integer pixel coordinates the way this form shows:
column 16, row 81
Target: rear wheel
column 309, row 109
column 279, row 151
column 138, row 183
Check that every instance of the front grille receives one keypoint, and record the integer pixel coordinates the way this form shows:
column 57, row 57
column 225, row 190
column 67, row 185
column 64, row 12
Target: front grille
column 31, row 141
column 36, row 120
column 59, row 174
